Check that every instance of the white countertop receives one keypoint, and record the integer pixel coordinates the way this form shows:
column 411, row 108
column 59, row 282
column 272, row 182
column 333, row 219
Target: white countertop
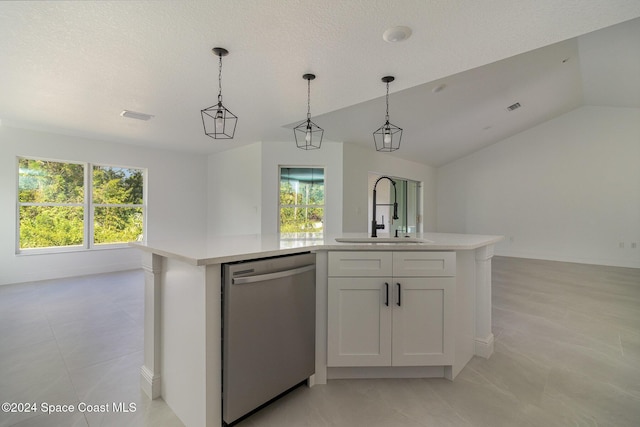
column 225, row 249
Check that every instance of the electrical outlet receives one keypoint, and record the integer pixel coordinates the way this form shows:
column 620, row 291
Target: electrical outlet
column 621, row 245
column 633, row 245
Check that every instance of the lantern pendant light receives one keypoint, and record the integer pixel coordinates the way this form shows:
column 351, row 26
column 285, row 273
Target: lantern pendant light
column 218, row 122
column 387, row 137
column 308, row 135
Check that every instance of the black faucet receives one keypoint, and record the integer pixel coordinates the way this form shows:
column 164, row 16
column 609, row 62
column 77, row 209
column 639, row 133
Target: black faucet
column 374, row 224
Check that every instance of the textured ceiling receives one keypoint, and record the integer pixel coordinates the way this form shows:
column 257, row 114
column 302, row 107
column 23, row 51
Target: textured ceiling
column 71, row 67
column 471, row 111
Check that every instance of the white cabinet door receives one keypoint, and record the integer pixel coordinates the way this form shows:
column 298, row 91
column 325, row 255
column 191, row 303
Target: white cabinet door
column 359, row 322
column 422, row 321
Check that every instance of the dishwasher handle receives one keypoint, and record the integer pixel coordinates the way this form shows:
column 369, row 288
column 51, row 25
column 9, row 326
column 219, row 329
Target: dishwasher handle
column 271, row 276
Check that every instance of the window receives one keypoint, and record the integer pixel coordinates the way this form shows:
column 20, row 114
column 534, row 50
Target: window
column 51, row 203
column 302, row 200
column 78, row 205
column 118, row 207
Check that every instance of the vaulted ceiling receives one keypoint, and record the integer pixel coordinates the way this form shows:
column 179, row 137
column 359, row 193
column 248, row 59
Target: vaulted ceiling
column 72, row 67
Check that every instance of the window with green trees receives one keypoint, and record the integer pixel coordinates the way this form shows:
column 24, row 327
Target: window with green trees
column 118, row 207
column 66, row 204
column 301, row 200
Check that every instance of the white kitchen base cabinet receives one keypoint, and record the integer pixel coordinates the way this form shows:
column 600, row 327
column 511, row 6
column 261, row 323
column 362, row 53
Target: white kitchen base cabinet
column 422, row 324
column 402, row 315
column 183, row 280
column 359, row 324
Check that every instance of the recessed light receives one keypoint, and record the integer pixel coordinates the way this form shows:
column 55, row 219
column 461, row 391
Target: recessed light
column 134, row 115
column 396, row 34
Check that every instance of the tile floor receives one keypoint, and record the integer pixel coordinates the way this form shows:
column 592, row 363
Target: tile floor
column 76, row 340
column 567, row 353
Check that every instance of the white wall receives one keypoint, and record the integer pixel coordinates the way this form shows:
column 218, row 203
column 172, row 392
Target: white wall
column 358, row 162
column 235, row 191
column 567, row 190
column 346, row 179
column 243, row 188
column 176, row 205
column 329, row 156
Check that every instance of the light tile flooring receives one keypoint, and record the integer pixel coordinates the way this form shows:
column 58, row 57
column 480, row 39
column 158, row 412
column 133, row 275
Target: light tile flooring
column 76, row 340
column 567, row 353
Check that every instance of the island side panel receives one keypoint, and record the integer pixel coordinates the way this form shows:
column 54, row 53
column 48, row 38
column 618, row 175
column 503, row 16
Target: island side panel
column 150, row 381
column 320, row 376
column 213, row 332
column 484, row 335
column 465, row 312
column 183, row 354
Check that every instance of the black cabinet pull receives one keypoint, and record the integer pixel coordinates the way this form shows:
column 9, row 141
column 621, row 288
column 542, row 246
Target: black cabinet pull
column 399, row 294
column 386, row 299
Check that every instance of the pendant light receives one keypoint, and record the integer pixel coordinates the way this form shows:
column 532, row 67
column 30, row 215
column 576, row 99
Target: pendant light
column 218, row 122
column 308, row 135
column 388, row 136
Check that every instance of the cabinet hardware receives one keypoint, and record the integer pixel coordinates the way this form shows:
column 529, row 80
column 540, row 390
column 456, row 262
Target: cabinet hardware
column 272, row 276
column 386, row 299
column 399, row 294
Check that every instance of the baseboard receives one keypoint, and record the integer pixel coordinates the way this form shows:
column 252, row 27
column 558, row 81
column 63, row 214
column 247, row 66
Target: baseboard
column 484, row 346
column 51, row 274
column 386, row 372
column 565, row 258
column 150, row 384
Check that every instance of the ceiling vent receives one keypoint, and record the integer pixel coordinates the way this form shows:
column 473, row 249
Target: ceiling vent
column 513, row 106
column 134, row 115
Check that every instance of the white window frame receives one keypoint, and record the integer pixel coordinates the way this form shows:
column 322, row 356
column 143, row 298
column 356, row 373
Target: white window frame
column 88, row 210
column 323, row 206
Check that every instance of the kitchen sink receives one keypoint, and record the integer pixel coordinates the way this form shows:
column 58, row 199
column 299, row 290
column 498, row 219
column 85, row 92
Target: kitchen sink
column 382, row 240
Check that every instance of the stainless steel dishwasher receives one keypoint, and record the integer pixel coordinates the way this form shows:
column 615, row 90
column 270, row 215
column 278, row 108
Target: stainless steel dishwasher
column 268, row 330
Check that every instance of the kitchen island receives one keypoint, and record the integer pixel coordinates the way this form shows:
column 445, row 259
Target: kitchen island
column 182, row 348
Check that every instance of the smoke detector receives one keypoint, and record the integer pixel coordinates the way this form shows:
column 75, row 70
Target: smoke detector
column 396, row 34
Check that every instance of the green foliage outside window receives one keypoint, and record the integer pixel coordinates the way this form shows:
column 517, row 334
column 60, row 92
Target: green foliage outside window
column 301, row 200
column 117, row 186
column 50, row 182
column 53, row 208
column 49, row 226
column 117, row 225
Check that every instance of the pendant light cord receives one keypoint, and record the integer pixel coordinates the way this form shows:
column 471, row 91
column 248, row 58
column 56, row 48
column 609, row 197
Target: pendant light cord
column 308, row 100
column 220, row 82
column 387, row 115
